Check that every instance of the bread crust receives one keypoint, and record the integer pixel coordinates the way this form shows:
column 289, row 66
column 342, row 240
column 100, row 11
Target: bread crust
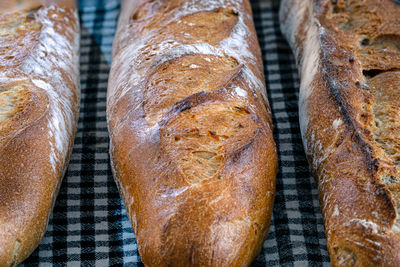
column 39, row 100
column 346, row 86
column 191, row 135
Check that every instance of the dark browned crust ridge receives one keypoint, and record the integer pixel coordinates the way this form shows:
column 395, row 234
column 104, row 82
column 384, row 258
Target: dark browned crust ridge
column 354, row 162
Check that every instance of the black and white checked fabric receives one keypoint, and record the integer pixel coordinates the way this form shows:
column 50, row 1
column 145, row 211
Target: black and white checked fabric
column 89, row 226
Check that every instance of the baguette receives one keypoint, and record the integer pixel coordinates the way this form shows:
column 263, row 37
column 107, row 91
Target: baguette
column 39, row 102
column 349, row 108
column 191, row 134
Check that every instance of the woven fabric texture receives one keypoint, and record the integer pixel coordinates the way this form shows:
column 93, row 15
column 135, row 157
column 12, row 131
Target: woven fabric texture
column 89, row 226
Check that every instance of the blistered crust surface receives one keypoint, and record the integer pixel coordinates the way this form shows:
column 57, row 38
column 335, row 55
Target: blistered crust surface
column 39, row 102
column 353, row 147
column 12, row 98
column 179, row 78
column 202, row 147
column 190, row 129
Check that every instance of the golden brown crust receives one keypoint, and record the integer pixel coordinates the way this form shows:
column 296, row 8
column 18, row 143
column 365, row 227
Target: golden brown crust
column 348, row 53
column 191, row 139
column 39, row 103
column 7, row 6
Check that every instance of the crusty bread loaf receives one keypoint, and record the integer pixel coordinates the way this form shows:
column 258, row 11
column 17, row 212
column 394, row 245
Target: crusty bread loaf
column 349, row 106
column 191, row 136
column 39, row 102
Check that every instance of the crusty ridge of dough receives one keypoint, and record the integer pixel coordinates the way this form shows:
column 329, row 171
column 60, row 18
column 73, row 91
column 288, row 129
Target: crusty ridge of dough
column 357, row 179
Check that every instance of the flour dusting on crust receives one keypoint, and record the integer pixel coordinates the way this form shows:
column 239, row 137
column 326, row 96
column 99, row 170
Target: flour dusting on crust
column 45, row 65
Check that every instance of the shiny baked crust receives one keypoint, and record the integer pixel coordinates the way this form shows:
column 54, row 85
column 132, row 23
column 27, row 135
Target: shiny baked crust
column 191, row 134
column 348, row 53
column 39, row 103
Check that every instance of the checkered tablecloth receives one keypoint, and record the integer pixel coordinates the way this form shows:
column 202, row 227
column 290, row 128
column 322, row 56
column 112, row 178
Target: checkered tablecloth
column 89, row 226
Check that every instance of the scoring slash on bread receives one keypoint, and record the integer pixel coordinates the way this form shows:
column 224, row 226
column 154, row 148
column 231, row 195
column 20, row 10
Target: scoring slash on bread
column 191, row 134
column 349, row 106
column 39, row 103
